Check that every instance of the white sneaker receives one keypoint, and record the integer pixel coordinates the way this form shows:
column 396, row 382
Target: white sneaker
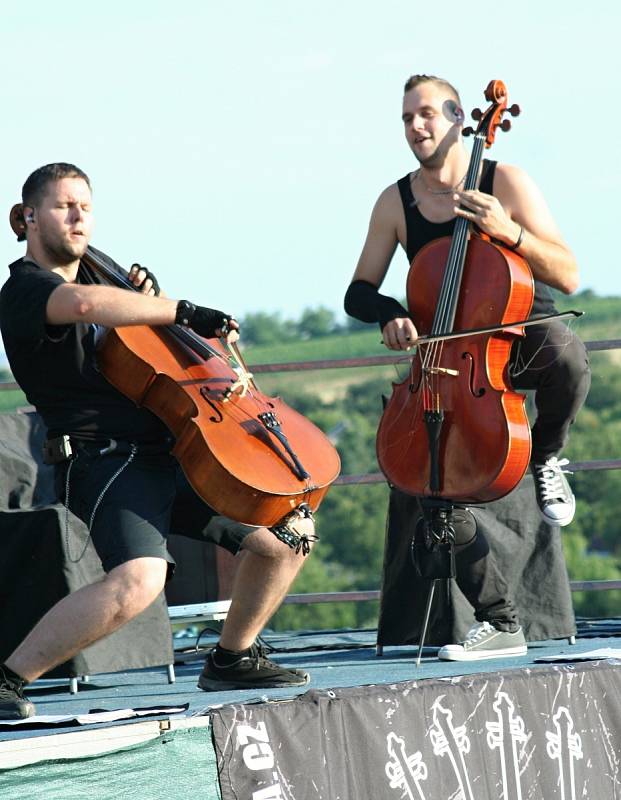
column 557, row 504
column 484, row 641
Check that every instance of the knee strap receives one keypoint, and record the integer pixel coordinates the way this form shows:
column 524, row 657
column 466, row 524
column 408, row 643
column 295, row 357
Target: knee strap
column 470, row 544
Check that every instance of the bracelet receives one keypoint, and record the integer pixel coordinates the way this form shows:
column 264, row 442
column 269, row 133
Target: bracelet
column 519, row 240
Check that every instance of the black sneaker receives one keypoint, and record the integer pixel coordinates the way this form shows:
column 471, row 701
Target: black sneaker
column 557, row 504
column 13, row 704
column 251, row 671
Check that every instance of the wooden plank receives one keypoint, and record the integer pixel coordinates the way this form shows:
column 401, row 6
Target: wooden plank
column 76, row 744
column 199, row 611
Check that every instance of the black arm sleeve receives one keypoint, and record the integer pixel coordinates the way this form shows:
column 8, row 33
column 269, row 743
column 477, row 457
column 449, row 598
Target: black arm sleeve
column 364, row 302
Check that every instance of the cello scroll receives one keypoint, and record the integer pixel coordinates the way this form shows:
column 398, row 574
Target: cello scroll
column 491, row 119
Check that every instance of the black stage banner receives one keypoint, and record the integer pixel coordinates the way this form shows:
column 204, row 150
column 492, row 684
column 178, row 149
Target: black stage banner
column 531, row 734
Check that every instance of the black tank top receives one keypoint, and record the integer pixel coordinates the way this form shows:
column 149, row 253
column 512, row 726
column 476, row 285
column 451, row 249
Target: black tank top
column 420, row 231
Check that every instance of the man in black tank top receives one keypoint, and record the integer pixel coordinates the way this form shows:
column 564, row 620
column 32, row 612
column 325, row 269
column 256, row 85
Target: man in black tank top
column 423, row 206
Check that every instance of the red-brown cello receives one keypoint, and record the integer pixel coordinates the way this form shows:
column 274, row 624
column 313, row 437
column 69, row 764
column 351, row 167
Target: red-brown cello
column 454, row 428
column 249, row 456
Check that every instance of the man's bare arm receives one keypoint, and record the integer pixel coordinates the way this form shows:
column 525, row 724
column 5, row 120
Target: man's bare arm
column 112, row 307
column 398, row 332
column 519, row 202
column 107, row 305
column 382, row 240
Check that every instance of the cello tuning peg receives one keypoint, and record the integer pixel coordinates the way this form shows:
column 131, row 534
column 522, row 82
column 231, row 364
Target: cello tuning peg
column 467, row 131
column 505, row 125
column 514, row 110
column 476, row 114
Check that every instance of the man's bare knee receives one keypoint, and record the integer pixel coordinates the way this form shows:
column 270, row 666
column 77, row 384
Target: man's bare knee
column 263, row 542
column 135, row 585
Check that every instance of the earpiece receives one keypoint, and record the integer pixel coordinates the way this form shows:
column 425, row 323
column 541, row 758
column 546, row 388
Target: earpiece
column 455, row 111
column 29, row 217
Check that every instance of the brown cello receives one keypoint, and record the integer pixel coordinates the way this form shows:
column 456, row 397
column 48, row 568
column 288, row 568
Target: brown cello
column 454, row 428
column 249, row 456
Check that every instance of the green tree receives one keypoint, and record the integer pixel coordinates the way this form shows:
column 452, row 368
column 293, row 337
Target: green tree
column 584, row 565
column 351, row 519
column 263, row 328
column 317, row 322
column 315, row 577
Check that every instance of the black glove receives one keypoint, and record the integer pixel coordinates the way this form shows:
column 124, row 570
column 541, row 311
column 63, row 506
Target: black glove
column 364, row 302
column 148, row 274
column 202, row 320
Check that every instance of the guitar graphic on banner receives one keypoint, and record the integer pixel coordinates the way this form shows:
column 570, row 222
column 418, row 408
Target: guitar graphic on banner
column 565, row 746
column 505, row 735
column 403, row 771
column 451, row 741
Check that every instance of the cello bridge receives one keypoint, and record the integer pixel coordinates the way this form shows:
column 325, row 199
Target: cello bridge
column 240, row 386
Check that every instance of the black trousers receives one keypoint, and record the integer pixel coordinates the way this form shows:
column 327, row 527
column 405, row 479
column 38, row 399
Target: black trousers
column 130, row 504
column 482, row 583
column 553, row 361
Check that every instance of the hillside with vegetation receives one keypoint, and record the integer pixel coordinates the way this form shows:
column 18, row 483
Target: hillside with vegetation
column 346, row 403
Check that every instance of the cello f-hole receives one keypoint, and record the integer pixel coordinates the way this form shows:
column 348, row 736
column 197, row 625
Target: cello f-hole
column 417, row 376
column 414, row 386
column 473, row 391
column 218, row 413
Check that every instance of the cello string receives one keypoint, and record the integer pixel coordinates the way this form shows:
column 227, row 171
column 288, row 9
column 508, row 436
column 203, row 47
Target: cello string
column 449, row 292
column 442, row 320
column 195, row 342
column 462, row 230
column 454, row 272
column 121, row 281
column 188, row 337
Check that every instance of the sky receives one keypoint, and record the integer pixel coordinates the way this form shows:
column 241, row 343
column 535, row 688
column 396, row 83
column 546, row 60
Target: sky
column 237, row 149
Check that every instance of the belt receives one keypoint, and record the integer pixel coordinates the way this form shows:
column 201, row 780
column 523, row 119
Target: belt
column 64, row 448
column 106, row 446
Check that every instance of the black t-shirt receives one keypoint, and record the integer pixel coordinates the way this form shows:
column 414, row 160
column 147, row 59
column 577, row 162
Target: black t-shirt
column 56, row 365
column 420, row 231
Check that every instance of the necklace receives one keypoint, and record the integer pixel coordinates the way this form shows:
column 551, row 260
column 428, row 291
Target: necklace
column 418, row 174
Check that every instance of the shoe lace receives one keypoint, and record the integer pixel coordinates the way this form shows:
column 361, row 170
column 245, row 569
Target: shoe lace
column 552, row 485
column 478, row 631
column 10, row 689
column 259, row 654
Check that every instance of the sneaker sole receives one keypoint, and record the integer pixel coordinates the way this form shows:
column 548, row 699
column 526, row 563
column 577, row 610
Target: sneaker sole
column 482, row 655
column 563, row 520
column 24, row 712
column 215, row 685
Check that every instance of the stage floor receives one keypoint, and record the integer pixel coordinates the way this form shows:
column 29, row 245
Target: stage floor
column 335, row 659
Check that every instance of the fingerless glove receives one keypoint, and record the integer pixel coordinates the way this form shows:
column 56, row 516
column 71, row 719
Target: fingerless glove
column 364, row 302
column 204, row 321
column 148, row 274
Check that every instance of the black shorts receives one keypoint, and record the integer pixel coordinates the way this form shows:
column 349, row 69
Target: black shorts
column 131, row 505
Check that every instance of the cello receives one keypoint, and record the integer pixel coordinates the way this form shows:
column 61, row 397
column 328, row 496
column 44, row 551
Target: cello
column 454, row 428
column 249, row 456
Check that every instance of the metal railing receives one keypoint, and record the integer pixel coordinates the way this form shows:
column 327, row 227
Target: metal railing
column 378, row 477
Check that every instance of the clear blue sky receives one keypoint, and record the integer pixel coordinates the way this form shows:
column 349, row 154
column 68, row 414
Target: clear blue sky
column 237, row 148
